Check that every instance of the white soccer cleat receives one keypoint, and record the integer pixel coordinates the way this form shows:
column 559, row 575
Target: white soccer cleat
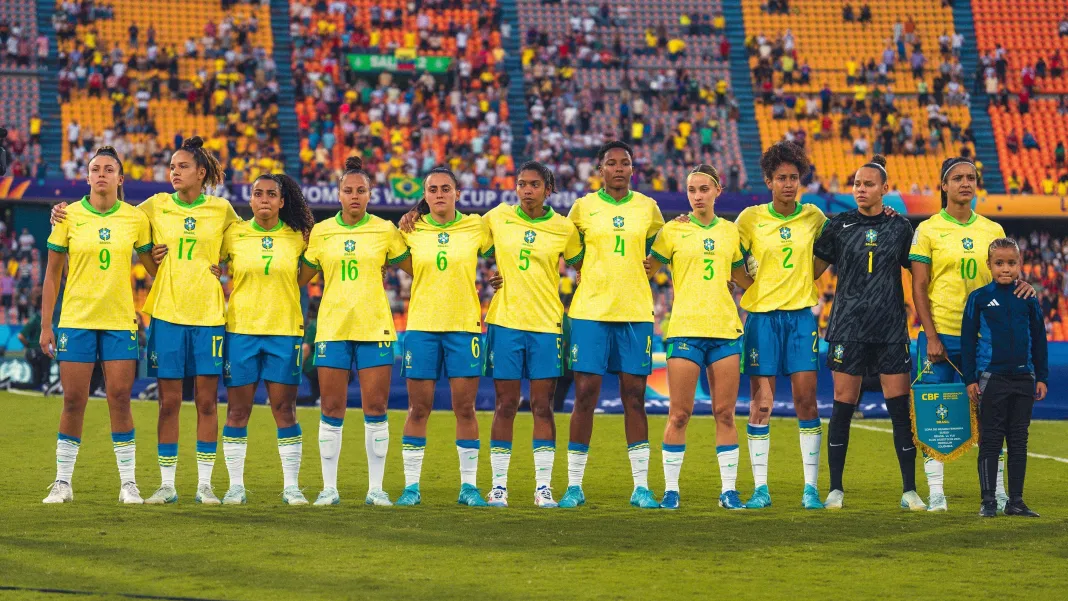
column 291, row 495
column 543, row 497
column 912, row 502
column 497, row 497
column 60, row 492
column 329, row 496
column 235, row 495
column 378, row 498
column 835, row 500
column 129, row 494
column 206, row 495
column 937, row 502
column 165, row 495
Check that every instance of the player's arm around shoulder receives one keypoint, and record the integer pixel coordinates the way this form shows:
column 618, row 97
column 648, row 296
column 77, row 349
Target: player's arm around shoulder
column 661, row 250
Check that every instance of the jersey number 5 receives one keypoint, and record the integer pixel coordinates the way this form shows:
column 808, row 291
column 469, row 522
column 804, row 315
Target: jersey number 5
column 524, row 259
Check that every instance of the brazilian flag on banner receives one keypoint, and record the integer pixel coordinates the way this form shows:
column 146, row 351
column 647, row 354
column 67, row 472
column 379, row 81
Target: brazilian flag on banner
column 406, row 187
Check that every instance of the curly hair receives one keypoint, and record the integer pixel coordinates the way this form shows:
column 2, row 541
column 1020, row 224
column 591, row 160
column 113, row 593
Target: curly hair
column 294, row 212
column 213, row 170
column 782, row 153
column 546, row 174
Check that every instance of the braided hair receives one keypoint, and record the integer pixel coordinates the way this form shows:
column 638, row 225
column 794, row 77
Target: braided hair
column 294, row 212
column 109, row 151
column 213, row 171
column 423, row 207
column 546, row 174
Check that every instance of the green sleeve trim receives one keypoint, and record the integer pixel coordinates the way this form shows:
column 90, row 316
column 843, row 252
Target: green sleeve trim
column 407, row 253
column 489, row 252
column 143, row 249
column 649, row 244
column 57, row 248
column 920, row 259
column 660, row 257
column 737, row 264
column 745, row 251
column 577, row 257
column 304, row 260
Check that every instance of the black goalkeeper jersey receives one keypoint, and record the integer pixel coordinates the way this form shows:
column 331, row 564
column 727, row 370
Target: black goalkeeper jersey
column 868, row 252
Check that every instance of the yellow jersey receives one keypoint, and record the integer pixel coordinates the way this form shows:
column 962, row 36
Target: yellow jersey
column 782, row 246
column 614, row 286
column 445, row 262
column 354, row 304
column 956, row 253
column 264, row 264
column 185, row 292
column 99, row 294
column 528, row 255
column 701, row 258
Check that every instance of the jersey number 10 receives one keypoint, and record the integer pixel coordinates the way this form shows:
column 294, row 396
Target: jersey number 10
column 968, row 269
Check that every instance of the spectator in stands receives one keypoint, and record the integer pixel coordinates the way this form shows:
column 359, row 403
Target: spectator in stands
column 1014, row 184
column 1049, row 185
column 1027, row 188
column 1056, row 64
column 865, row 14
column 1029, row 141
column 847, row 13
column 26, row 242
column 1058, row 154
column 861, row 145
column 1012, row 142
column 1062, row 27
column 1024, row 102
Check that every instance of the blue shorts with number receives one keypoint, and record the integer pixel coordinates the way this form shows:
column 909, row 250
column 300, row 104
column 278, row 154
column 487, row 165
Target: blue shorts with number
column 703, row 351
column 780, row 343
column 517, row 354
column 941, row 372
column 251, row 358
column 79, row 345
column 176, row 351
column 600, row 347
column 429, row 355
column 353, row 354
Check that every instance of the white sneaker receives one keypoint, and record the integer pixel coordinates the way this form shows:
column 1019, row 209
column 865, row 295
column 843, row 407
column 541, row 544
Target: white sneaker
column 912, row 502
column 235, row 495
column 60, row 492
column 206, row 495
column 543, row 497
column 834, row 500
column 328, row 496
column 497, row 497
column 291, row 495
column 166, row 494
column 129, row 494
column 937, row 502
column 378, row 498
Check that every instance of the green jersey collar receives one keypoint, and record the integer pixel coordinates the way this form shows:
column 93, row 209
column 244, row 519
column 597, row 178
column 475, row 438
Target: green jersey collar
column 430, row 220
column 259, row 228
column 694, row 221
column 88, row 206
column 777, row 215
column 605, row 197
column 522, row 214
column 953, row 219
column 366, row 217
column 196, row 203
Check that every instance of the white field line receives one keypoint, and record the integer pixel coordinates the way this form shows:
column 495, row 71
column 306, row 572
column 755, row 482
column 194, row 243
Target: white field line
column 888, row 430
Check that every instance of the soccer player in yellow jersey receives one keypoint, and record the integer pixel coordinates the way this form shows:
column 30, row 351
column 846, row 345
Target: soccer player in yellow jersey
column 948, row 263
column 612, row 316
column 525, row 319
column 704, row 332
column 263, row 257
column 444, row 329
column 780, row 330
column 97, row 321
column 355, row 326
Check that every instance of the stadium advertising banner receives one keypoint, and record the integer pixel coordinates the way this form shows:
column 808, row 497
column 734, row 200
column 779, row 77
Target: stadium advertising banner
column 385, row 62
column 1019, row 205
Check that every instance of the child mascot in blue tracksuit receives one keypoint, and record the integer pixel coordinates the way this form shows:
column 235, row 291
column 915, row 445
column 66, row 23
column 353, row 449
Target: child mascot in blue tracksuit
column 1003, row 347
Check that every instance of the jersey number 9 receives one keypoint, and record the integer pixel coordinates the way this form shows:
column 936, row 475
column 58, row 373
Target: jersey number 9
column 105, row 258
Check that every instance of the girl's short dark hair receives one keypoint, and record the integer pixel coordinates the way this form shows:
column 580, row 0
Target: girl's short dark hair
column 546, row 174
column 782, row 153
column 1000, row 243
column 609, row 146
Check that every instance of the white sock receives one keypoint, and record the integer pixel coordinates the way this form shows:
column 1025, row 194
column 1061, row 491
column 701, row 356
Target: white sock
column 759, row 447
column 376, row 445
column 330, row 448
column 66, row 456
column 544, row 456
column 500, row 457
column 577, row 453
column 999, row 489
column 235, row 445
column 412, row 450
column 639, row 463
column 727, row 455
column 811, row 432
column 468, row 452
column 673, row 455
column 125, row 455
column 935, row 471
column 290, row 448
column 167, row 454
column 206, row 451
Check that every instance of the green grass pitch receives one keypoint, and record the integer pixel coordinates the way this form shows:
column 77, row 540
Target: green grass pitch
column 606, row 550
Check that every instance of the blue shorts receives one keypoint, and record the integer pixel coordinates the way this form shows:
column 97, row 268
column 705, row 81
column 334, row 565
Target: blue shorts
column 780, row 343
column 78, row 345
column 426, row 354
column 176, row 351
column 600, row 347
column 941, row 372
column 517, row 354
column 703, row 351
column 251, row 358
column 353, row 354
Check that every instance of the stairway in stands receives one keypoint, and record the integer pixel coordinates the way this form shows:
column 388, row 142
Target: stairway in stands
column 985, row 147
column 283, row 58
column 48, row 104
column 742, row 86
column 513, row 64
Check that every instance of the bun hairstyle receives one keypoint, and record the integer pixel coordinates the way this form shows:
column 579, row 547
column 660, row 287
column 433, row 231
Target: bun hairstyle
column 546, row 174
column 109, row 151
column 947, row 166
column 423, row 207
column 213, row 171
column 707, row 170
column 878, row 162
column 354, row 166
column 782, row 153
column 294, row 212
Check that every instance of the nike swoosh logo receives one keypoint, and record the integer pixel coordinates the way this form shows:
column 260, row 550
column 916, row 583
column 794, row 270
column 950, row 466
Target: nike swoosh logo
column 760, row 454
column 761, row 224
column 80, row 223
column 732, row 465
column 908, row 449
column 475, row 364
column 385, row 354
column 296, row 373
column 686, row 235
column 831, row 444
column 381, row 439
column 131, row 348
column 218, row 364
column 850, row 225
column 816, row 453
column 594, row 213
column 943, row 235
column 506, row 222
column 646, row 364
column 165, row 211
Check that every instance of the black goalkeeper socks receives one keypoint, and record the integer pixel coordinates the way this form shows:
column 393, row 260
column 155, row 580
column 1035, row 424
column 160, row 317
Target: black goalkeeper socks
column 904, row 445
column 838, row 441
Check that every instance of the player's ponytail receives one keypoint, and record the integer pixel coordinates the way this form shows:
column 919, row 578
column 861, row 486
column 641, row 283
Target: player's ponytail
column 878, row 163
column 423, row 207
column 109, row 151
column 213, row 171
column 294, row 212
column 546, row 174
column 354, row 166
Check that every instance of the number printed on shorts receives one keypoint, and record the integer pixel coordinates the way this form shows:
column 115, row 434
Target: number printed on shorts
column 216, row 346
column 787, row 253
column 476, row 350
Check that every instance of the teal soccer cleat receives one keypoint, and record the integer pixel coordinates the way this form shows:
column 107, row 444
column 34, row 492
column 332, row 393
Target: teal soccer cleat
column 235, row 496
column 810, row 499
column 731, row 500
column 329, row 496
column 573, row 497
column 470, row 496
column 671, row 500
column 410, row 496
column 761, row 498
column 644, row 498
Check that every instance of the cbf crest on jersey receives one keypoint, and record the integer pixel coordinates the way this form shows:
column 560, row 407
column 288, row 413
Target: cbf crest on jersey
column 968, row 244
column 268, row 243
column 443, row 238
column 839, row 352
column 617, row 221
column 784, row 233
column 871, row 238
column 190, row 224
column 710, row 244
column 530, row 236
column 105, row 234
column 350, row 246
